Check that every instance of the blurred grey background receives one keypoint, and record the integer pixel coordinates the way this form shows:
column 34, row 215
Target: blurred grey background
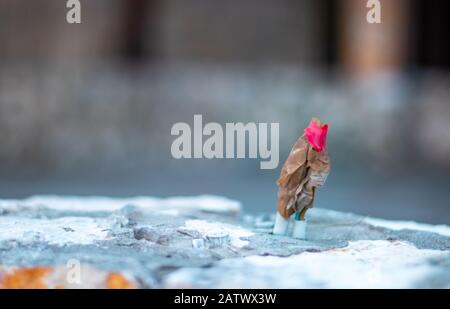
column 87, row 109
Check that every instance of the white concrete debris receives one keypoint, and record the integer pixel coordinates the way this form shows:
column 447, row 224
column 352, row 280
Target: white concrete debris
column 60, row 231
column 217, row 240
column 207, row 203
column 198, row 243
column 363, row 264
column 410, row 225
column 206, row 228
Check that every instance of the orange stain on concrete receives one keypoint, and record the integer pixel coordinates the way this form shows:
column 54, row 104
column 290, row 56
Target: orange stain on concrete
column 26, row 278
column 117, row 281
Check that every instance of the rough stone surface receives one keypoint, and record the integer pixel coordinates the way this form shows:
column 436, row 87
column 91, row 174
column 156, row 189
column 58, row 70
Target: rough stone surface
column 207, row 241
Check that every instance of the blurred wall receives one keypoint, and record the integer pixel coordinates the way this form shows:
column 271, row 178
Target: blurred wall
column 105, row 93
column 87, row 109
column 173, row 30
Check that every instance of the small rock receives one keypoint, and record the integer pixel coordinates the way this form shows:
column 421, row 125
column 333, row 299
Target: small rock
column 132, row 213
column 150, row 235
column 117, row 223
column 217, row 240
column 198, row 243
column 124, row 218
column 188, row 232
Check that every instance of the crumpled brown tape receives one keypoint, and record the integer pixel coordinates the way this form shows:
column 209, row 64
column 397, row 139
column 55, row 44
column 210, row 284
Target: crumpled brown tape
column 304, row 170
